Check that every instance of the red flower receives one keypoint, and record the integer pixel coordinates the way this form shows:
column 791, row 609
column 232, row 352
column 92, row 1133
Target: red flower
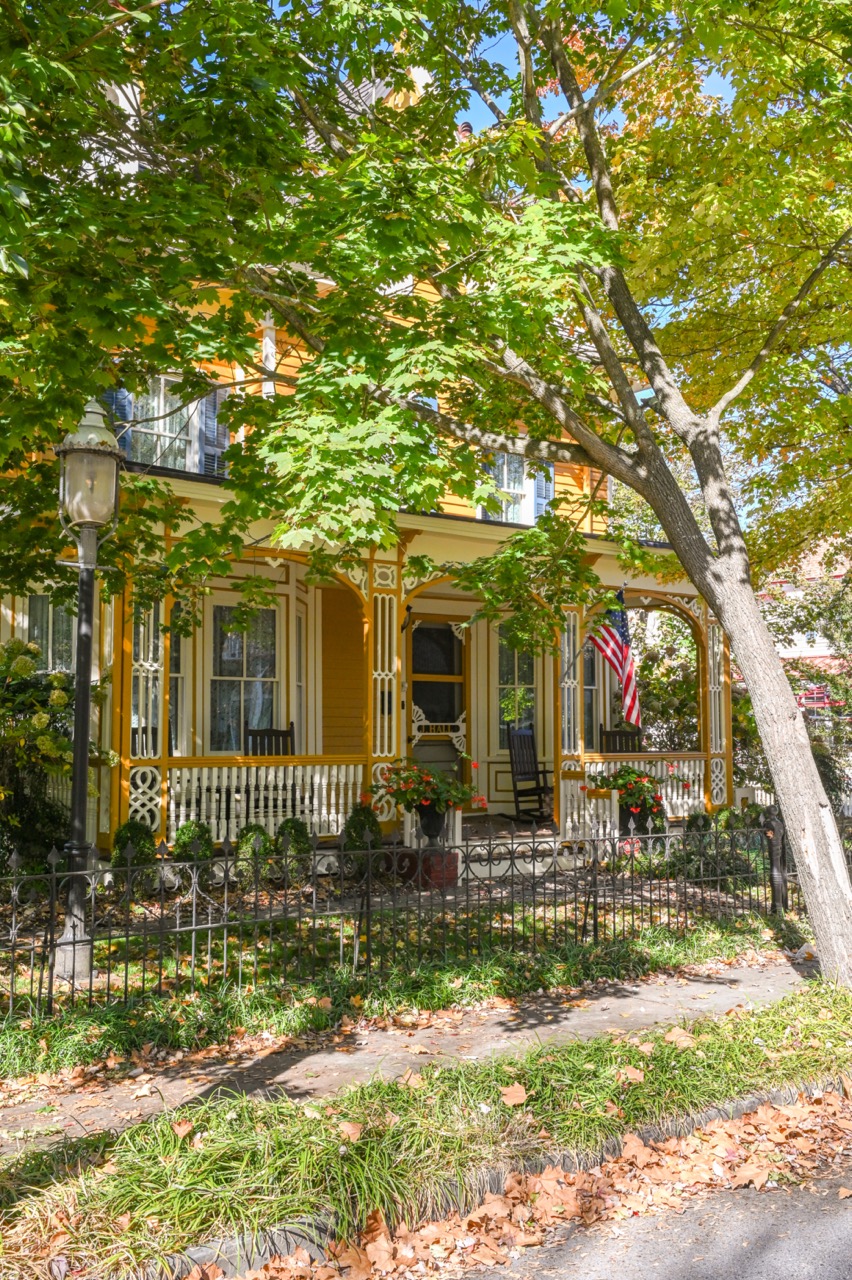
column 635, row 808
column 474, row 765
column 655, row 808
column 658, row 798
column 670, row 767
column 425, row 801
column 584, row 788
column 630, row 786
column 365, row 797
column 687, row 786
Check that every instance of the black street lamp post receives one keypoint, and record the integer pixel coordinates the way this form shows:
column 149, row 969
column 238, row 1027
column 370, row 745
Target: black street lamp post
column 88, row 506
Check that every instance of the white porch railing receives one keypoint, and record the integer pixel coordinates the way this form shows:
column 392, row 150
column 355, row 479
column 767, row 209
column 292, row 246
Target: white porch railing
column 682, row 790
column 228, row 796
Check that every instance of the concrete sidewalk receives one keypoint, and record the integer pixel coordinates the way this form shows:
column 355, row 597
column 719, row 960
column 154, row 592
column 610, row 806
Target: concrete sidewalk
column 363, row 1052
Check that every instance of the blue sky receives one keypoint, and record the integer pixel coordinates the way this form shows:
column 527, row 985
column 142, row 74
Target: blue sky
column 504, row 51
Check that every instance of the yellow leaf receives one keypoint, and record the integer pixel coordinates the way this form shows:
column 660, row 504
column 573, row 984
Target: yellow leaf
column 514, row 1095
column 182, row 1127
column 351, row 1130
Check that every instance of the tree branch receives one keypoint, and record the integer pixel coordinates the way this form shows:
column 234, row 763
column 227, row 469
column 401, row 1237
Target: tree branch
column 608, row 87
column 771, row 340
column 111, row 26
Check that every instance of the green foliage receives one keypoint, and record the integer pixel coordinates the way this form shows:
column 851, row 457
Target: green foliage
column 640, row 799
column 138, row 835
column 361, row 825
column 35, row 725
column 667, row 674
column 409, row 784
column 296, row 848
column 193, row 840
column 255, row 840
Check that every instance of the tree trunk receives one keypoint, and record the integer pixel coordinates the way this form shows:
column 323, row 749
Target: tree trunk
column 725, row 583
column 811, row 826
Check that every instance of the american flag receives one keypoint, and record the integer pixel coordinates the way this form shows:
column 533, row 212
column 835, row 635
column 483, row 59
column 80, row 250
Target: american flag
column 613, row 641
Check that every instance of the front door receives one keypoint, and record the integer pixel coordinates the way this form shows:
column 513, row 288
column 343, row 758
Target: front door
column 437, row 731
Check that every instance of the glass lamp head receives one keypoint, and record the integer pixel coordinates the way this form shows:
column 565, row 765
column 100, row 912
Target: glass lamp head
column 88, row 473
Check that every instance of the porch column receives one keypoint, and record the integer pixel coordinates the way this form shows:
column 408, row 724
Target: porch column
column 384, row 643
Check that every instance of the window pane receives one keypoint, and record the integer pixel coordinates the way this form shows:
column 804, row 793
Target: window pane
column 175, row 744
column 589, row 665
column 526, row 674
column 176, row 643
column 435, row 651
column 259, row 701
column 590, row 729
column 506, row 664
column 62, row 625
column 227, row 645
column 260, row 646
column 226, row 730
column 38, row 627
column 514, row 471
column 440, row 703
column 177, row 422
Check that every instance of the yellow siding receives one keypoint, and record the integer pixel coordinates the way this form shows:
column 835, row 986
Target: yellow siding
column 343, row 673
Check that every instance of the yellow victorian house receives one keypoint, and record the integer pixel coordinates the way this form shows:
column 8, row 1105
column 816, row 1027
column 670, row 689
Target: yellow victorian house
column 298, row 714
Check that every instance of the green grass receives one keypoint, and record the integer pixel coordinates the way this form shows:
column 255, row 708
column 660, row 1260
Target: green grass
column 79, row 1035
column 420, row 1150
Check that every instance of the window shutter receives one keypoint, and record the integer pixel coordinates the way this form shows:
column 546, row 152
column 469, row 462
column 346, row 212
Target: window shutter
column 544, row 489
column 118, row 402
column 214, row 436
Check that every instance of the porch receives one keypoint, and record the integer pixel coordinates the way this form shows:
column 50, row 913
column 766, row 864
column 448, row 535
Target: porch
column 371, row 669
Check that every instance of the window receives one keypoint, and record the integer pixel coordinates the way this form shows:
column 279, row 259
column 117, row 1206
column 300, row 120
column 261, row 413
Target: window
column 516, row 690
column 526, row 494
column 52, row 628
column 590, row 695
column 166, row 433
column 161, row 429
column 176, row 687
column 301, row 631
column 244, row 685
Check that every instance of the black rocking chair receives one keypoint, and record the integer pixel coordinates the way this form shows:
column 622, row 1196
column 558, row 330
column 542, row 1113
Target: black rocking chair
column 529, row 778
column 271, row 742
column 620, row 741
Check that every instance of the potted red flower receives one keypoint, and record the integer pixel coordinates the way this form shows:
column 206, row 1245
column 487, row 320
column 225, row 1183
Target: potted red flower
column 430, row 793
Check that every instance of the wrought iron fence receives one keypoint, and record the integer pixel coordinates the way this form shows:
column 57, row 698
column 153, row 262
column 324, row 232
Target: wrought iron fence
column 277, row 914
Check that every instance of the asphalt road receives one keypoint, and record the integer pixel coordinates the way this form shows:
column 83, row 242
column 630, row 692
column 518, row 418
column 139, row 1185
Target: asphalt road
column 800, row 1234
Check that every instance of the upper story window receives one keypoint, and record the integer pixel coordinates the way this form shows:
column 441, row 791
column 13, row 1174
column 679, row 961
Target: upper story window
column 52, row 628
column 526, row 494
column 163, row 432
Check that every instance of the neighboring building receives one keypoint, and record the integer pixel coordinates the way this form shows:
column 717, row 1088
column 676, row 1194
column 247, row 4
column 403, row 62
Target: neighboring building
column 371, row 667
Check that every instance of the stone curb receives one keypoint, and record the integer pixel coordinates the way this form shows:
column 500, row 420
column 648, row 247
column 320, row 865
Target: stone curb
column 241, row 1253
